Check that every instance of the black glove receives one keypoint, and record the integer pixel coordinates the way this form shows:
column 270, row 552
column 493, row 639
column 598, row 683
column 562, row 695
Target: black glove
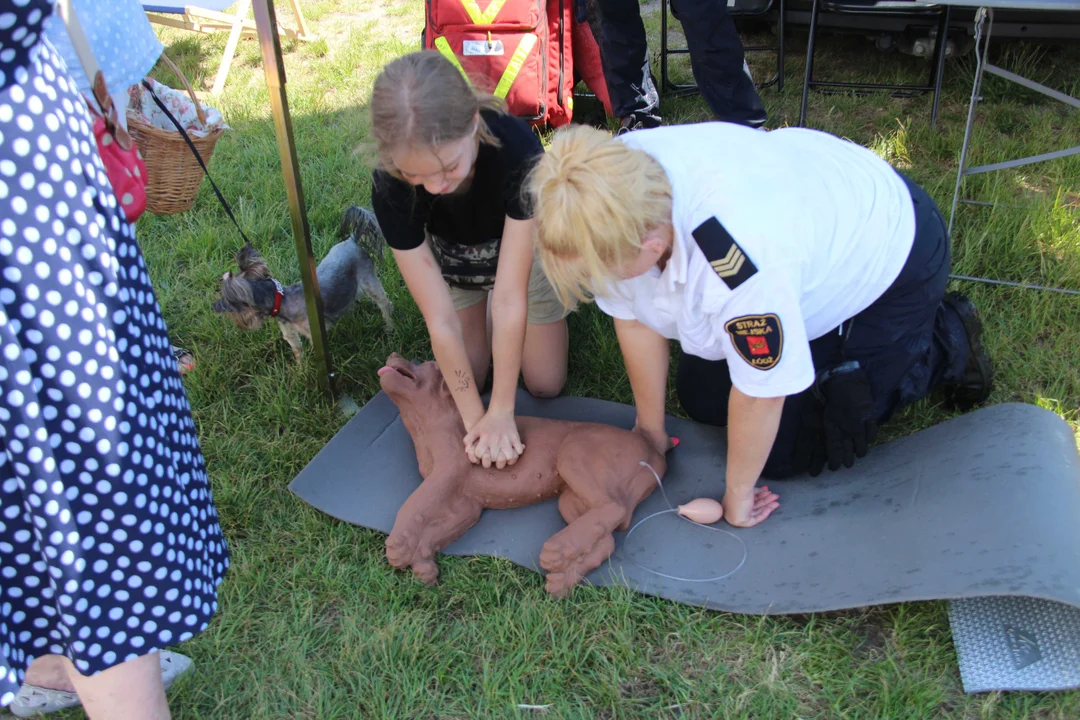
column 850, row 425
column 810, row 443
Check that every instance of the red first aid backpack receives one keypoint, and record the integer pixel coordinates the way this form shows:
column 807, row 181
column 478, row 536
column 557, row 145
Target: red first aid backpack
column 519, row 50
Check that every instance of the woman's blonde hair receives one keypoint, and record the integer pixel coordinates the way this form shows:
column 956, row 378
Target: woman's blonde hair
column 423, row 100
column 594, row 199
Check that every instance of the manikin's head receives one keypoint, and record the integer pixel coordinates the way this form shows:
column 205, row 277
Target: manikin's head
column 418, row 390
column 602, row 209
column 426, row 122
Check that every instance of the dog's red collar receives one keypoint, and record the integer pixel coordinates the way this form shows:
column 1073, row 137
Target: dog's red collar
column 279, row 294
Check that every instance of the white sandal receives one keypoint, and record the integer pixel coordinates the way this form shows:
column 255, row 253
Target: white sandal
column 32, row 700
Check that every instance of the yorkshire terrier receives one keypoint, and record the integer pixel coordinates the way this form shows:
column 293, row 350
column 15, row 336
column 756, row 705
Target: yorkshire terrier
column 345, row 274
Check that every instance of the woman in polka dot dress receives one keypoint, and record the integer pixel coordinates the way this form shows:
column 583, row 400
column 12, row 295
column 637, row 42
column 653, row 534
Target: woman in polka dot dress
column 110, row 546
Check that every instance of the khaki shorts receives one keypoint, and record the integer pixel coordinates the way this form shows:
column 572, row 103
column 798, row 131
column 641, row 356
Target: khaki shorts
column 544, row 305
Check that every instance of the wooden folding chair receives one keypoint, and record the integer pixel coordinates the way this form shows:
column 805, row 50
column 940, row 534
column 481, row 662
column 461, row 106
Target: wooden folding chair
column 209, row 16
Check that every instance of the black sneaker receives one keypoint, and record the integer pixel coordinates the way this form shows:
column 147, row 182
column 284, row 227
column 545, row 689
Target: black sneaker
column 975, row 383
column 631, row 123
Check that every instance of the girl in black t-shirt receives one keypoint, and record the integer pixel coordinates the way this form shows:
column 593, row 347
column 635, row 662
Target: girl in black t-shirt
column 448, row 196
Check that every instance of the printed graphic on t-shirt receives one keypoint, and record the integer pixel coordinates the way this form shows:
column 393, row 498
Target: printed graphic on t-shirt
column 759, row 339
column 472, row 215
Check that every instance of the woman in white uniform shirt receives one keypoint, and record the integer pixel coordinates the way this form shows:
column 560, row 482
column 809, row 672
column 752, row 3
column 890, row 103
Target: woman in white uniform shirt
column 802, row 275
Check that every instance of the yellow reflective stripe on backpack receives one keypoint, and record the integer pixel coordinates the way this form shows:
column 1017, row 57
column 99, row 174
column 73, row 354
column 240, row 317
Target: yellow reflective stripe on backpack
column 487, row 16
column 444, row 48
column 514, row 67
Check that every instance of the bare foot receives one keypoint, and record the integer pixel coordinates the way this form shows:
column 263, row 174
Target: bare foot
column 132, row 690
column 49, row 672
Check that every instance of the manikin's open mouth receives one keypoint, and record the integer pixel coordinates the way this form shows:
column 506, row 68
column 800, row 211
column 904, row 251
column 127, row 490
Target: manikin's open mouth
column 393, row 369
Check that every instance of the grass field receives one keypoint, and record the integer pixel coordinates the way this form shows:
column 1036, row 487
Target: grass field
column 314, row 624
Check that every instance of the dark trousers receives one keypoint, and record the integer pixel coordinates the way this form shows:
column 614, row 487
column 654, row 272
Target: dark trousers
column 907, row 341
column 624, row 55
column 716, row 57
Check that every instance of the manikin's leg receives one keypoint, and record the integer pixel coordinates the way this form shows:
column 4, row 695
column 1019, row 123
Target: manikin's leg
column 433, row 517
column 571, row 507
column 587, row 540
column 441, row 533
column 580, row 547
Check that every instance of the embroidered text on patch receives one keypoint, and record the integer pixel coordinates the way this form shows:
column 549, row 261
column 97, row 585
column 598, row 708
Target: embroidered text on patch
column 759, row 339
column 728, row 260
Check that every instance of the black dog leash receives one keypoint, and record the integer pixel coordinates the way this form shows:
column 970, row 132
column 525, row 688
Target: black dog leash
column 279, row 292
column 220, row 197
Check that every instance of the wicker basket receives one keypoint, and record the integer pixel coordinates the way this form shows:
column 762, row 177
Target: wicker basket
column 174, row 173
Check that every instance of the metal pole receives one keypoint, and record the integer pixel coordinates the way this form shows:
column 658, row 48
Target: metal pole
column 939, row 63
column 663, row 46
column 1024, row 286
column 266, row 24
column 809, row 64
column 780, row 50
column 984, row 17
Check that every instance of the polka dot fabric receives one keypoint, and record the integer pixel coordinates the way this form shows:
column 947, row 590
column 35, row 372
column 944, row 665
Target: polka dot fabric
column 21, row 24
column 110, row 545
column 120, row 36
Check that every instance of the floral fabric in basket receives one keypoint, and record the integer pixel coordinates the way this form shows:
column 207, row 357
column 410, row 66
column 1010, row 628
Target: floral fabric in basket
column 180, row 105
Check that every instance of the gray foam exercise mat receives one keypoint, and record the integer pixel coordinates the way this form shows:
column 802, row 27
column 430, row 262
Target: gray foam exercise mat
column 984, row 506
column 1016, row 643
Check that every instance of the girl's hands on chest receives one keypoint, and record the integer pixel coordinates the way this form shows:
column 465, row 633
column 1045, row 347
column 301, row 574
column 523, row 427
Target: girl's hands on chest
column 494, row 440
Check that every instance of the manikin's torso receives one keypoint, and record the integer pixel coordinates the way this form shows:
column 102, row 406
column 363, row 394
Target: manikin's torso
column 600, row 473
column 437, row 436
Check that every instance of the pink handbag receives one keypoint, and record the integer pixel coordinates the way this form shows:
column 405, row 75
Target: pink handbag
column 119, row 153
